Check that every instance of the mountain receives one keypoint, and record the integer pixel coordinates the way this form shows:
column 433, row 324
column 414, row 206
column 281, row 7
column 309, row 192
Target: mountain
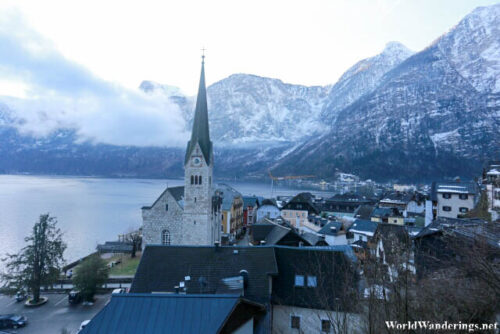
column 362, row 78
column 397, row 115
column 434, row 115
column 247, row 109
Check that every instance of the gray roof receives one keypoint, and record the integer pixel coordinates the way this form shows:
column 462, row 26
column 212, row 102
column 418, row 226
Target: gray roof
column 457, row 187
column 327, row 229
column 228, row 195
column 364, row 226
column 201, row 132
column 176, row 192
column 164, row 267
column 172, row 313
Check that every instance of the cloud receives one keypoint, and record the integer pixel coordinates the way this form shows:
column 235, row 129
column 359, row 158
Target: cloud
column 46, row 92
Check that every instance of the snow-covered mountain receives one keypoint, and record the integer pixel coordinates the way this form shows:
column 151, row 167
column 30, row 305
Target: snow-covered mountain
column 247, row 109
column 362, row 78
column 398, row 114
column 435, row 114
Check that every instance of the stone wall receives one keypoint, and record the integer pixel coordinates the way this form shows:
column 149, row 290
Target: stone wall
column 157, row 218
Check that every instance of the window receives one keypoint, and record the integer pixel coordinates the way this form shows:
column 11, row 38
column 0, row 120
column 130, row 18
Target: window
column 196, row 179
column 209, row 180
column 325, row 325
column 192, row 179
column 295, row 322
column 464, row 210
column 299, row 280
column 195, row 222
column 446, row 195
column 446, row 208
column 199, row 180
column 463, row 196
column 195, row 199
column 166, row 207
column 312, row 282
column 165, row 237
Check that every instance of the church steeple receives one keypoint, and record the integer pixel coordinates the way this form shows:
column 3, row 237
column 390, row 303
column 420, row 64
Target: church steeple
column 200, row 133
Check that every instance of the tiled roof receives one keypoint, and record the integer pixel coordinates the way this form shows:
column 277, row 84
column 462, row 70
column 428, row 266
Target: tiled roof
column 176, row 192
column 164, row 267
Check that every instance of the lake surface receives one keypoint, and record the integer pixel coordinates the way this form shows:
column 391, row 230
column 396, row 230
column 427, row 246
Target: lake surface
column 89, row 210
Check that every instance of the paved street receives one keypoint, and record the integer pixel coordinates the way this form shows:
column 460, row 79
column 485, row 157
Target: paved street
column 52, row 317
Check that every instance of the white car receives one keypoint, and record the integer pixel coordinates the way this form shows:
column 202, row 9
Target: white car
column 120, row 290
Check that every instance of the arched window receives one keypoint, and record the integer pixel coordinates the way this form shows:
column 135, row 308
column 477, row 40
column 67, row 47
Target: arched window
column 199, row 181
column 196, row 179
column 165, row 237
column 192, row 179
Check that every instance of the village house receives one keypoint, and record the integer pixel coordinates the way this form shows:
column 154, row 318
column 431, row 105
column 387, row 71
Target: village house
column 232, row 212
column 267, row 209
column 298, row 209
column 362, row 230
column 250, row 205
column 302, row 289
column 334, row 233
column 343, row 205
column 492, row 181
column 453, row 199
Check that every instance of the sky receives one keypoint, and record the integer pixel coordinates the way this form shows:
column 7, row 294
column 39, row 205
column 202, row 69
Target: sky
column 79, row 63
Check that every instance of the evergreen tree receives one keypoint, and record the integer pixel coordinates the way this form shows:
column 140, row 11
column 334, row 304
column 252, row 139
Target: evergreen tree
column 89, row 275
column 39, row 263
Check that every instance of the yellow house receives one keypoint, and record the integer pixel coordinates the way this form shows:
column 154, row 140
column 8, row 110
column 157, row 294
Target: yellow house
column 232, row 212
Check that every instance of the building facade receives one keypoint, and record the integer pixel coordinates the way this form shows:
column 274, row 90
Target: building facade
column 188, row 215
column 455, row 199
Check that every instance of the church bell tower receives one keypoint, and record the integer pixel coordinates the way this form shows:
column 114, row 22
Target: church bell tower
column 199, row 227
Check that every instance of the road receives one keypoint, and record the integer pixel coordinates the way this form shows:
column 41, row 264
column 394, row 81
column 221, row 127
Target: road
column 52, row 317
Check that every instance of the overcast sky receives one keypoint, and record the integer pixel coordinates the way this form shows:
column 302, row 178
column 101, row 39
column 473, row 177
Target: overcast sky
column 78, row 64
column 308, row 42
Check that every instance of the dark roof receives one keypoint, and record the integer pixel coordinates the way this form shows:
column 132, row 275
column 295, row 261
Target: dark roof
column 260, row 230
column 164, row 267
column 172, row 313
column 364, row 211
column 276, row 234
column 467, row 227
column 176, row 192
column 228, row 194
column 302, row 199
column 382, row 212
column 250, row 201
column 363, row 226
column 285, row 236
column 268, row 201
column 327, row 229
column 334, row 272
column 201, row 133
column 314, row 239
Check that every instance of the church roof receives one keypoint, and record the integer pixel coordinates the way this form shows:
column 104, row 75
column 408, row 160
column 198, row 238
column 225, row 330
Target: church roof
column 201, row 133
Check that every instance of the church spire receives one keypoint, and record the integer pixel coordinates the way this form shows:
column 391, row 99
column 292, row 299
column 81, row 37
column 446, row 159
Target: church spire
column 201, row 133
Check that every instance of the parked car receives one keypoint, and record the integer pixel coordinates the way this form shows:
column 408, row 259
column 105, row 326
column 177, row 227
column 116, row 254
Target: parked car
column 20, row 296
column 12, row 321
column 119, row 290
column 74, row 297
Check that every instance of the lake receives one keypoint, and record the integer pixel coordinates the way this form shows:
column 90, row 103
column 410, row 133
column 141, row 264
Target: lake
column 89, row 210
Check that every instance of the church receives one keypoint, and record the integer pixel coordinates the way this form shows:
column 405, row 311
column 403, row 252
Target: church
column 189, row 214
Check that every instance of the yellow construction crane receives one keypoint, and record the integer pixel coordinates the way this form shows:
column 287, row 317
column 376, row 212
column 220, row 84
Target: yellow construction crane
column 288, row 177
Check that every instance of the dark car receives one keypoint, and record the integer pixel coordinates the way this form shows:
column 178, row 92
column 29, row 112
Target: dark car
column 20, row 296
column 12, row 321
column 74, row 297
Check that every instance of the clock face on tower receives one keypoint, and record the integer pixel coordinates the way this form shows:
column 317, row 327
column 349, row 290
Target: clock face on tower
column 196, row 161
